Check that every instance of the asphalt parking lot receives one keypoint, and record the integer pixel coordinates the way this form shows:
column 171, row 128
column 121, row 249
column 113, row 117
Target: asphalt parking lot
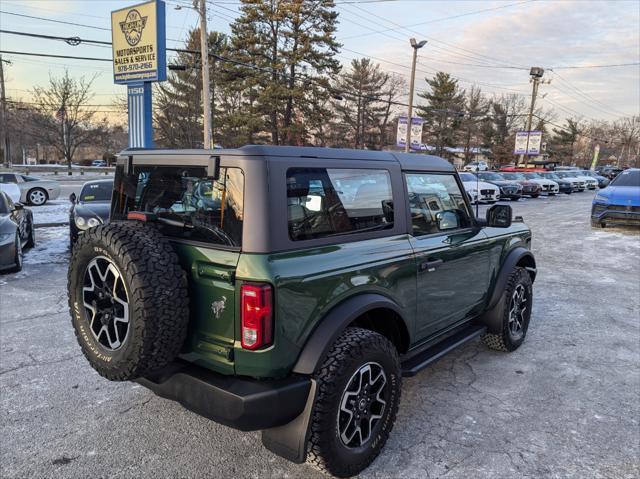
column 566, row 404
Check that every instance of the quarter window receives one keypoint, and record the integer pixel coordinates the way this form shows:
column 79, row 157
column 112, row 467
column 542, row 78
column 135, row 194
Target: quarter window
column 431, row 196
column 325, row 202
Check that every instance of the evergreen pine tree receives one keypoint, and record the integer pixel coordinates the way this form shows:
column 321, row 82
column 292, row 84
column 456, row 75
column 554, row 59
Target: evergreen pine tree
column 443, row 111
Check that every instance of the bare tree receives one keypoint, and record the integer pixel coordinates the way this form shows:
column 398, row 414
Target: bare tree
column 66, row 115
column 627, row 131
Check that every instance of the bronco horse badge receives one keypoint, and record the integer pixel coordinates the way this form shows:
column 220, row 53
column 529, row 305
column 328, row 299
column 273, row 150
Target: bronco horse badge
column 218, row 307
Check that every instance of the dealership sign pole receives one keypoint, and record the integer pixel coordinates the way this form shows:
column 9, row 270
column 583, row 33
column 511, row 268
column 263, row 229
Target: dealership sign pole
column 139, row 58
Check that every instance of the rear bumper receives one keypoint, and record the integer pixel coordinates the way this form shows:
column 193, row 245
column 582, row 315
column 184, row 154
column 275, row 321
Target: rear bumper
column 238, row 402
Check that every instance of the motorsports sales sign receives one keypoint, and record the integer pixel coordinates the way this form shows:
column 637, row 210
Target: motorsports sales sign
column 139, row 43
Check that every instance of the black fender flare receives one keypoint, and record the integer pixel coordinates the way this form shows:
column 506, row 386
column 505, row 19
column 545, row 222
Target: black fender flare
column 334, row 323
column 492, row 317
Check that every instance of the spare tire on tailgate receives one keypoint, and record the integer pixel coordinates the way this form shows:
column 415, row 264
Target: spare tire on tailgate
column 128, row 299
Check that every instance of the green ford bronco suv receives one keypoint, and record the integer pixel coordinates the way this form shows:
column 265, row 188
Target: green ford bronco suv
column 289, row 289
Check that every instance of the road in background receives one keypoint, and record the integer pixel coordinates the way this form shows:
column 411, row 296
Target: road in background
column 563, row 405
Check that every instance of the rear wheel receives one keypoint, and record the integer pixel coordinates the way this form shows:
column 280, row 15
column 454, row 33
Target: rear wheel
column 358, row 397
column 517, row 298
column 128, row 299
column 18, row 255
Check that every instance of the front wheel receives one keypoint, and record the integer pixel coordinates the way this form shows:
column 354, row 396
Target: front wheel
column 37, row 197
column 31, row 239
column 358, row 397
column 518, row 299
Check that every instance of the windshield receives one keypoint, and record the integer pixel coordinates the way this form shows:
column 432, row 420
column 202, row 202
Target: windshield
column 564, row 174
column 468, row 177
column 513, row 176
column 187, row 203
column 96, row 192
column 550, row 176
column 490, row 176
column 627, row 178
column 532, row 176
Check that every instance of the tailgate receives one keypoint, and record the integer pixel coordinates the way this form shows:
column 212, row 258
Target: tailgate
column 212, row 303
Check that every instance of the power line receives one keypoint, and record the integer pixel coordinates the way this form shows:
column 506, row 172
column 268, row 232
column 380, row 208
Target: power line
column 50, row 55
column 596, row 66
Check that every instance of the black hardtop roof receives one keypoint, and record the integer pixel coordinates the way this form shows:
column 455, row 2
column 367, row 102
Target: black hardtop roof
column 408, row 161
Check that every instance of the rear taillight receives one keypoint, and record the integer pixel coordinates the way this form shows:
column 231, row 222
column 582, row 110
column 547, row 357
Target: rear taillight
column 257, row 315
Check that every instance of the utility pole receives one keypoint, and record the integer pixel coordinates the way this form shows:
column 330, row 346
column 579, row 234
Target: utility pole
column 416, row 46
column 201, row 6
column 536, row 74
column 3, row 116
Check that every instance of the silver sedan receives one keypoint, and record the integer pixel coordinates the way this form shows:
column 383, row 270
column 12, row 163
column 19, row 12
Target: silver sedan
column 34, row 191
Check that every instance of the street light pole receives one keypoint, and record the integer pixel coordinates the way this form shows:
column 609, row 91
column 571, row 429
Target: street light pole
column 201, row 6
column 416, row 46
column 536, row 74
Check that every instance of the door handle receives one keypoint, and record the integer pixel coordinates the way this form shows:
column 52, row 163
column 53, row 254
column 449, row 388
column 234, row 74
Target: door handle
column 430, row 266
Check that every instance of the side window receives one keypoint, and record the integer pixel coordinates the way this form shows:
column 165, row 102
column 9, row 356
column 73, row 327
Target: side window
column 8, row 178
column 436, row 203
column 325, row 202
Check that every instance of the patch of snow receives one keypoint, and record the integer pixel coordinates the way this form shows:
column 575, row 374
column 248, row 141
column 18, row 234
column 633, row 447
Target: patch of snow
column 56, row 211
column 52, row 246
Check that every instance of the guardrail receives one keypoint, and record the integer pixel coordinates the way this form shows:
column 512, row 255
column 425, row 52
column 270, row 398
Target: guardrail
column 60, row 169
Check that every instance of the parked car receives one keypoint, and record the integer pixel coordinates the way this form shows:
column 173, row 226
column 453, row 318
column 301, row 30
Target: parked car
column 476, row 166
column 618, row 203
column 529, row 188
column 603, row 181
column 12, row 191
column 16, row 233
column 479, row 191
column 34, row 191
column 548, row 186
column 90, row 209
column 272, row 311
column 511, row 190
column 565, row 186
column 98, row 163
column 590, row 182
column 579, row 184
column 610, row 171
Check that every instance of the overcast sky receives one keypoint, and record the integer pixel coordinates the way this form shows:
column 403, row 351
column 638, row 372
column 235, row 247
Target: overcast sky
column 492, row 43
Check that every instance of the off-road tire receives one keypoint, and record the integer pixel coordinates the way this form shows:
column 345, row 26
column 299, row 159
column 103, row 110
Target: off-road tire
column 505, row 340
column 354, row 348
column 156, row 289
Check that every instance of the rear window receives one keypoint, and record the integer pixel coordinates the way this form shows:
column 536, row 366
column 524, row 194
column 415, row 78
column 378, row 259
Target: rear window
column 324, row 202
column 189, row 204
column 627, row 178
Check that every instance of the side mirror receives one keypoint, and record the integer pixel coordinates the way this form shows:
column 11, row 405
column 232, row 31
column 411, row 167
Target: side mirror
column 499, row 216
column 448, row 220
column 72, row 197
